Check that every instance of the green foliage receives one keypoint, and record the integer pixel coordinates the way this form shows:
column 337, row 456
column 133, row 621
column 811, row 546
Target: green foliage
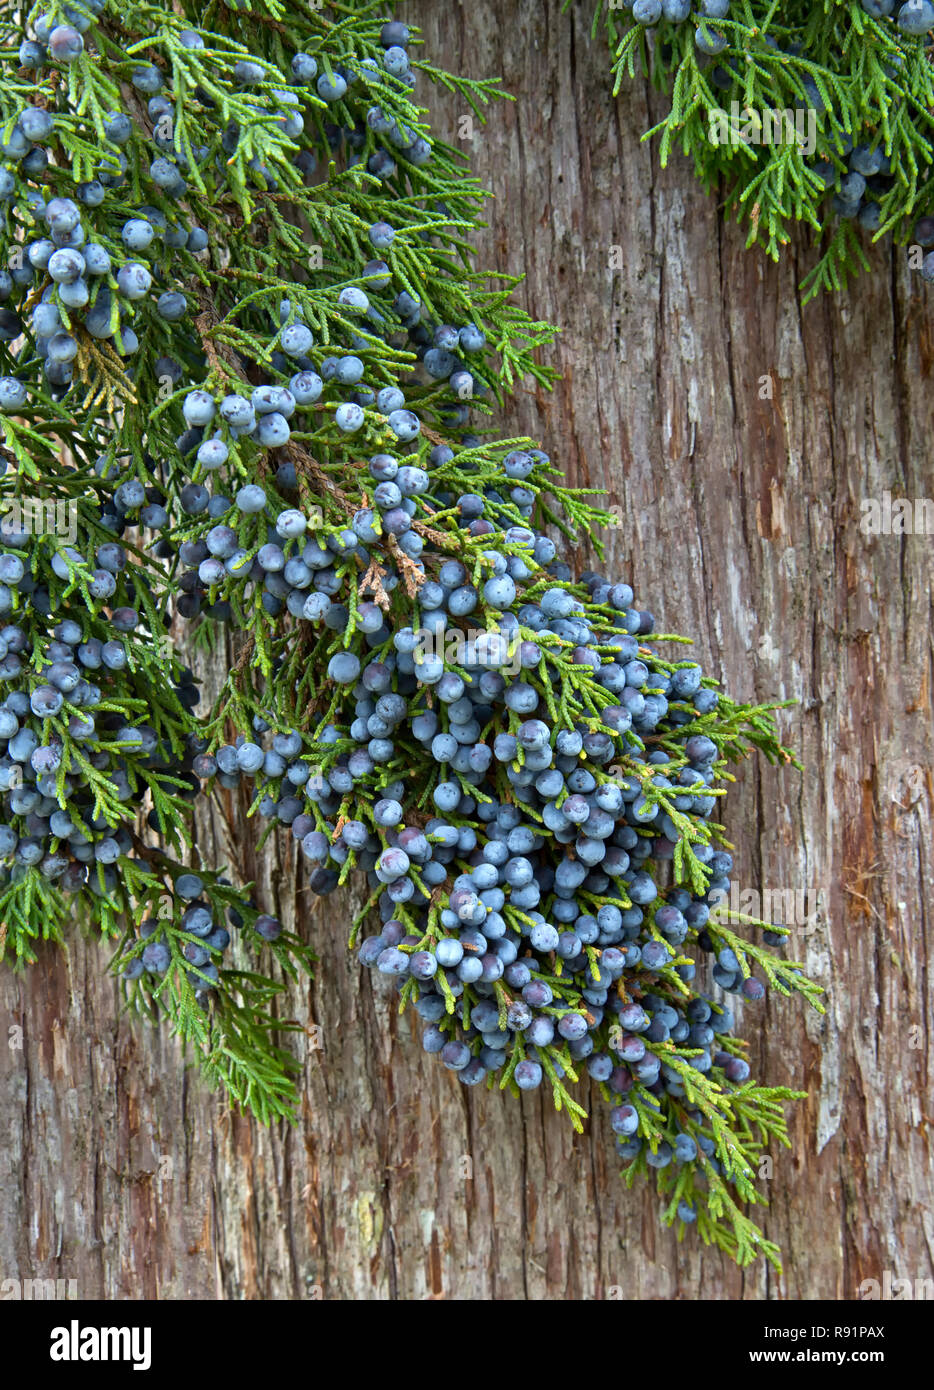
column 117, row 424
column 282, row 181
column 862, row 80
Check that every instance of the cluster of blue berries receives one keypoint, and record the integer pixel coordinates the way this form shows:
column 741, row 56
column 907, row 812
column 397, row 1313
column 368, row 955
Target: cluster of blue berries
column 95, row 270
column 204, row 954
column 437, row 701
column 520, row 841
column 73, row 772
column 91, row 278
column 555, row 939
column 708, row 41
column 58, row 43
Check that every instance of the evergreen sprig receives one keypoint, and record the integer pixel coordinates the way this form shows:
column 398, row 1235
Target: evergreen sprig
column 268, row 152
column 772, row 118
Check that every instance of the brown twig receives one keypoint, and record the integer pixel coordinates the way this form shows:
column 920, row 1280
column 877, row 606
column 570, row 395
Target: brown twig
column 372, row 582
column 412, row 576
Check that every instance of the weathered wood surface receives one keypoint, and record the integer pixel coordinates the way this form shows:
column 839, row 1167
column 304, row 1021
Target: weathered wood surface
column 741, row 528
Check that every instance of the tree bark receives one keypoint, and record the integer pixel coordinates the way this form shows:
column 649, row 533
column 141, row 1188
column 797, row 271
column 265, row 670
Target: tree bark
column 738, row 433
